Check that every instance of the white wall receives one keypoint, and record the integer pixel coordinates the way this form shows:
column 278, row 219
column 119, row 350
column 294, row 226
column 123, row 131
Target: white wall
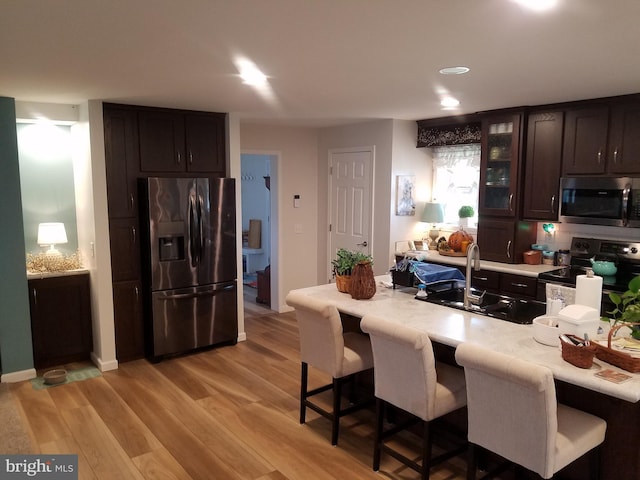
column 408, row 160
column 297, row 152
column 379, row 134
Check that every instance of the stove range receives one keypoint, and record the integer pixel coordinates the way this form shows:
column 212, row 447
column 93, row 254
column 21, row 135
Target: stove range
column 626, row 256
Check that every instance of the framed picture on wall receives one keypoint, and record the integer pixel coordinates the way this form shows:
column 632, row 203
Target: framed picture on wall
column 405, row 190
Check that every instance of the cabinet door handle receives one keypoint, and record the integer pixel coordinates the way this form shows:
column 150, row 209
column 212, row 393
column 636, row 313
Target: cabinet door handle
column 509, row 249
column 35, row 298
column 133, row 235
column 179, row 157
column 137, row 293
column 599, row 156
column 519, row 285
column 553, row 202
column 131, row 201
column 190, row 157
column 615, row 156
column 510, row 202
column 482, row 279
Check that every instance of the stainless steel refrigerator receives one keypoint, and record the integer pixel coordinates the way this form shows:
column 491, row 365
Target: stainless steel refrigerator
column 190, row 251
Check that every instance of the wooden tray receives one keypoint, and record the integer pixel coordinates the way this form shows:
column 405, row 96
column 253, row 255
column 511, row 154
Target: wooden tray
column 451, row 253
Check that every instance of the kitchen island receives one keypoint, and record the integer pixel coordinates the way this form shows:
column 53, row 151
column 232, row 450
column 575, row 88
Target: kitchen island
column 618, row 404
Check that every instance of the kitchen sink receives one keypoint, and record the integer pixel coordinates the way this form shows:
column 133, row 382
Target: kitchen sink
column 507, row 308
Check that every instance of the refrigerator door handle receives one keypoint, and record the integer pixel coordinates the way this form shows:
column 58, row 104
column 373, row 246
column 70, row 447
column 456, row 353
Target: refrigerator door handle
column 209, row 293
column 194, row 252
column 200, row 229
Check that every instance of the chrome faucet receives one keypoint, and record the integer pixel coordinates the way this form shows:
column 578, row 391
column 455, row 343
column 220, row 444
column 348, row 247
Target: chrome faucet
column 473, row 255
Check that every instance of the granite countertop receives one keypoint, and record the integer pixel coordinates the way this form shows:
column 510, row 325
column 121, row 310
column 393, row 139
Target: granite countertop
column 451, row 327
column 513, row 268
column 63, row 273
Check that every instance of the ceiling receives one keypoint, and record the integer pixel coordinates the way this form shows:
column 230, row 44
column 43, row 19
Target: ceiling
column 329, row 62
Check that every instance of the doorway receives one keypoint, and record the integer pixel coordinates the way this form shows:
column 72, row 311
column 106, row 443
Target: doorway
column 259, row 234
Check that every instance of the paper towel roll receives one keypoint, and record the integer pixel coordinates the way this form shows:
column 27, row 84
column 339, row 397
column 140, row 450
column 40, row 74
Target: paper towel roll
column 589, row 291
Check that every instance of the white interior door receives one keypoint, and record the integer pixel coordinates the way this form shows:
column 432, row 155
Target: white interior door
column 350, row 199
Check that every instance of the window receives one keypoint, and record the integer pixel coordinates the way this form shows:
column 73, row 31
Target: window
column 456, row 177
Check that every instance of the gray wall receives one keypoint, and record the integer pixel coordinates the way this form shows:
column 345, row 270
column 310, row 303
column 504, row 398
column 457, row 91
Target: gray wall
column 46, row 178
column 15, row 326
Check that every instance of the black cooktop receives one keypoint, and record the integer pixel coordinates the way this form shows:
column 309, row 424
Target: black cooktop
column 626, row 256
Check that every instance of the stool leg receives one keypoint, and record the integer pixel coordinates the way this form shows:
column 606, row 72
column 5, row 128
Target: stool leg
column 377, row 445
column 471, row 462
column 426, row 451
column 303, row 390
column 337, row 393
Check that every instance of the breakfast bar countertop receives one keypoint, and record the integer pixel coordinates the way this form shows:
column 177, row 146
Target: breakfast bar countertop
column 451, row 327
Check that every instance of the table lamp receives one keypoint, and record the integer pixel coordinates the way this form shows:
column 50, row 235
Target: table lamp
column 433, row 213
column 51, row 234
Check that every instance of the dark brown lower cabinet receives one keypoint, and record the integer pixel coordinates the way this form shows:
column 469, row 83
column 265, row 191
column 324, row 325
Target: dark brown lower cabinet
column 129, row 321
column 61, row 327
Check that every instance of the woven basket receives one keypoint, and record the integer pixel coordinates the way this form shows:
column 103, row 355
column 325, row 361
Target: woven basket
column 343, row 282
column 616, row 357
column 581, row 357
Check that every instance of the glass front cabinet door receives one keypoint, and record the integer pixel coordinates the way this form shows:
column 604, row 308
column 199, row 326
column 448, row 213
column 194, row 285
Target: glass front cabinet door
column 499, row 165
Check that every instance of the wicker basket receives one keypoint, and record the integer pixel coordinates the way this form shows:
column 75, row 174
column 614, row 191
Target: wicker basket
column 363, row 283
column 616, row 357
column 343, row 282
column 581, row 357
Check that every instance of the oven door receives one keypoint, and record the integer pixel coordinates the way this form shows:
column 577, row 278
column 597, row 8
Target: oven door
column 595, row 200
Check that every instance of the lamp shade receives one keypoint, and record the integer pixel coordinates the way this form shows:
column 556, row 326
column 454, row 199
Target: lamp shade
column 51, row 234
column 432, row 213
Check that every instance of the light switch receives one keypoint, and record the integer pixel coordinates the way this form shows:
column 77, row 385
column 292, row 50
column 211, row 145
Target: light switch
column 297, row 228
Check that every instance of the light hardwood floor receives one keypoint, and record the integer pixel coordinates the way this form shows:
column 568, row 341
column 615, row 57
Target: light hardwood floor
column 227, row 413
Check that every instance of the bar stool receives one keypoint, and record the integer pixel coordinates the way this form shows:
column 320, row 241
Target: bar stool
column 513, row 412
column 325, row 346
column 407, row 377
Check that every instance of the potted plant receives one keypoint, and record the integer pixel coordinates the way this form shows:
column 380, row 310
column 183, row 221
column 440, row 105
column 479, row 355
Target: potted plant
column 343, row 265
column 464, row 213
column 627, row 307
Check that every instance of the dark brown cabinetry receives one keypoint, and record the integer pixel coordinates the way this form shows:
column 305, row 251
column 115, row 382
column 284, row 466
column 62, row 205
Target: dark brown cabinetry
column 128, row 316
column 500, row 165
column 603, row 139
column 501, row 236
column 176, row 142
column 543, row 165
column 143, row 142
column 60, row 319
column 503, row 240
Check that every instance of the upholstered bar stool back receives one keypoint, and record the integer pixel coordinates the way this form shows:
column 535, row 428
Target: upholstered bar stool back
column 513, row 411
column 325, row 346
column 406, row 376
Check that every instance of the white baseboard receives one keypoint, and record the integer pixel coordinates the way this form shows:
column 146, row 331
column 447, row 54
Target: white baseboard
column 242, row 337
column 20, row 376
column 104, row 366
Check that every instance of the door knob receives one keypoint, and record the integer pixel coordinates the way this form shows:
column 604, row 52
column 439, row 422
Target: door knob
column 363, row 244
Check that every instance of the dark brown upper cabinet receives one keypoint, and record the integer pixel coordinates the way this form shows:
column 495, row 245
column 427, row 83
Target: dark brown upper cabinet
column 500, row 165
column 176, row 142
column 543, row 165
column 603, row 139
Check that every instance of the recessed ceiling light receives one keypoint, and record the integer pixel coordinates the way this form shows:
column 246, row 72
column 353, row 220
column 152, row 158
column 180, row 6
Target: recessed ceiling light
column 453, row 70
column 537, row 5
column 449, row 102
column 250, row 73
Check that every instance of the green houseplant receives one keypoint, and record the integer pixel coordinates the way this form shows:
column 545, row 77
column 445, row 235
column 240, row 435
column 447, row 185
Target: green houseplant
column 464, row 214
column 627, row 307
column 343, row 263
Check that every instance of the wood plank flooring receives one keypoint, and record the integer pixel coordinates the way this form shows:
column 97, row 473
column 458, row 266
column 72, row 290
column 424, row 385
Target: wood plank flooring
column 227, row 413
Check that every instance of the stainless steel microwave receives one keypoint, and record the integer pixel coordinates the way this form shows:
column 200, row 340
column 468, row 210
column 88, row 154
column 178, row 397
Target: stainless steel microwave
column 613, row 201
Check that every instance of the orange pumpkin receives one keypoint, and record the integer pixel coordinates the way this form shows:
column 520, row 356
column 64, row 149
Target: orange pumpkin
column 456, row 239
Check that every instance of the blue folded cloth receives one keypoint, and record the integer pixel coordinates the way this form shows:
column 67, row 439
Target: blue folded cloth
column 429, row 272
